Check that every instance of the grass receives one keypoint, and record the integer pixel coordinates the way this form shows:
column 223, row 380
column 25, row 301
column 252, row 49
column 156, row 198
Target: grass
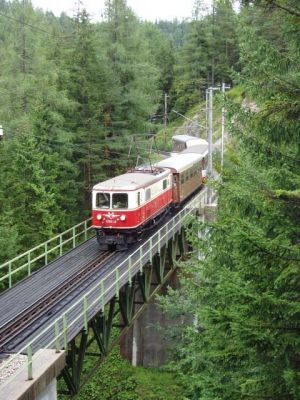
column 117, row 379
column 236, row 94
column 156, row 384
column 114, row 378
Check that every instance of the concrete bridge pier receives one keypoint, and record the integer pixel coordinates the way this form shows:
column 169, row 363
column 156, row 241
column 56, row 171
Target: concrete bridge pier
column 47, row 365
column 145, row 344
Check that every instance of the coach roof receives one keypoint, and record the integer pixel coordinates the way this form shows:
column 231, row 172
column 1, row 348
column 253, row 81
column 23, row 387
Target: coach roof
column 181, row 162
column 198, row 149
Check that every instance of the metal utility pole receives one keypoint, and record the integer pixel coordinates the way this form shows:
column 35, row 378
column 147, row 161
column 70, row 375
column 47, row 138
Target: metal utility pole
column 210, row 131
column 224, row 87
column 166, row 111
column 166, row 118
column 206, row 108
column 213, row 45
column 210, row 92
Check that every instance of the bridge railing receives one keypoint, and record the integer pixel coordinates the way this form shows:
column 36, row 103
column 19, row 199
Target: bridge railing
column 24, row 264
column 94, row 300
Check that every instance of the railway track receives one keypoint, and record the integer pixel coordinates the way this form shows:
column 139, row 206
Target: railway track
column 13, row 327
column 52, row 289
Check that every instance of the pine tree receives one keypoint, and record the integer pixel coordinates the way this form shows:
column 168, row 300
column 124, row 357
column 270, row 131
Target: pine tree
column 161, row 53
column 32, row 111
column 28, row 199
column 209, row 53
column 136, row 80
column 245, row 291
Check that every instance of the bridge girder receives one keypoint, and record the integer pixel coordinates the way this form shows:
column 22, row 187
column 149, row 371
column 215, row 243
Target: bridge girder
column 125, row 307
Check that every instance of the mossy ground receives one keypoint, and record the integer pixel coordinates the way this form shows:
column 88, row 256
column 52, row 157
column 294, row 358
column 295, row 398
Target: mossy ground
column 116, row 379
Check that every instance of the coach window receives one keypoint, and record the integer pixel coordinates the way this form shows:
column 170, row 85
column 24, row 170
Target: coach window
column 120, row 200
column 103, row 200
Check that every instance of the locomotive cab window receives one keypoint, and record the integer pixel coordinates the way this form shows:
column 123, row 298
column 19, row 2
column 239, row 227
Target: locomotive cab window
column 138, row 198
column 165, row 184
column 120, row 200
column 103, row 200
column 148, row 194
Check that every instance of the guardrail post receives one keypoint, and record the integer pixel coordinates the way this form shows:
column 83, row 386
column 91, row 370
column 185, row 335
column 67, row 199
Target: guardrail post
column 74, row 238
column 85, row 230
column 85, row 313
column 117, row 283
column 151, row 250
column 9, row 275
column 29, row 264
column 60, row 245
column 129, row 271
column 141, row 259
column 56, row 334
column 158, row 243
column 29, row 362
column 46, row 253
column 102, row 296
column 65, row 328
column 173, row 228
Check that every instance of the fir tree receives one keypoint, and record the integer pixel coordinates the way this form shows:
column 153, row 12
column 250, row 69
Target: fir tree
column 245, row 291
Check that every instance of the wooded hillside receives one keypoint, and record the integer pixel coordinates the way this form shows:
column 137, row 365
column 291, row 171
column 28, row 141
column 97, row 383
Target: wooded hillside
column 74, row 94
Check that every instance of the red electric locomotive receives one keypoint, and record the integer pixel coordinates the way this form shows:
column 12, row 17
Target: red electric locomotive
column 124, row 206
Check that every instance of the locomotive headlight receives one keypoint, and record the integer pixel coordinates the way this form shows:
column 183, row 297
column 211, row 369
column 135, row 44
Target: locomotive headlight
column 99, row 217
column 122, row 217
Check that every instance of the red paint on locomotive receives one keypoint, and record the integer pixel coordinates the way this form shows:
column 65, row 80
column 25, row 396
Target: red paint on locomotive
column 110, row 218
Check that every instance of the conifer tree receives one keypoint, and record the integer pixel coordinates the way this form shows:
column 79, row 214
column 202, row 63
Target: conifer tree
column 245, row 291
column 135, row 78
column 28, row 198
column 209, row 54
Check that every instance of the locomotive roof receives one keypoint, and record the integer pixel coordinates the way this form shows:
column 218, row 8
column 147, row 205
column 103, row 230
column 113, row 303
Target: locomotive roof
column 132, row 180
column 180, row 162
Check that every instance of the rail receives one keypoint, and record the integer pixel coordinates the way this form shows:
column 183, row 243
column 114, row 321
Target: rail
column 39, row 256
column 96, row 297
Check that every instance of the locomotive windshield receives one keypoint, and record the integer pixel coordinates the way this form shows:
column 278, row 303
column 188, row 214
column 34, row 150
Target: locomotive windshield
column 120, row 200
column 103, row 200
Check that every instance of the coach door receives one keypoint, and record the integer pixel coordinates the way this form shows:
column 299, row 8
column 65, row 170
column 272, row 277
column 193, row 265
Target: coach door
column 176, row 187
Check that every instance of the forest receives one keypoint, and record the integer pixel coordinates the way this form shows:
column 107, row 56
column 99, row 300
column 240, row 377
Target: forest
column 75, row 95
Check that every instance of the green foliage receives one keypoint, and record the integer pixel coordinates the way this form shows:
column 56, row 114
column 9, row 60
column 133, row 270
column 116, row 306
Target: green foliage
column 72, row 94
column 117, row 379
column 208, row 55
column 244, row 290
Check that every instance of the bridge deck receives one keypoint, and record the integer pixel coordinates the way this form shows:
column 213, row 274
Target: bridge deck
column 26, row 292
column 96, row 290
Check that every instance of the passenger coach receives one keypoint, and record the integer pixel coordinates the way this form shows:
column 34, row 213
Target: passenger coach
column 189, row 173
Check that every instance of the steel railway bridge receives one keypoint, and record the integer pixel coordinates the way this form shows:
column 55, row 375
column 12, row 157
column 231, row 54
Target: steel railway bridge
column 65, row 295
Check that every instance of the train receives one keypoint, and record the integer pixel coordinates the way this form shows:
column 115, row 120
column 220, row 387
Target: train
column 128, row 205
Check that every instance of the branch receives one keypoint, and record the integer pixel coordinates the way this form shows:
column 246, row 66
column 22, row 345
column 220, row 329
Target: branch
column 288, row 10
